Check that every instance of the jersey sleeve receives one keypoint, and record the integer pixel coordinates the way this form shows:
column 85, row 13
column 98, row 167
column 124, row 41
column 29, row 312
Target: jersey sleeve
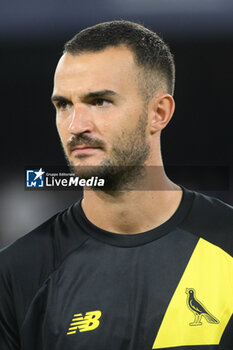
column 24, row 266
column 9, row 333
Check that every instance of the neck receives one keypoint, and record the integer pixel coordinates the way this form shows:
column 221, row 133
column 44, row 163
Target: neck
column 135, row 211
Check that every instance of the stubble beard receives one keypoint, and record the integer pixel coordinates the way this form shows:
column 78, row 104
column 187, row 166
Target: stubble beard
column 125, row 166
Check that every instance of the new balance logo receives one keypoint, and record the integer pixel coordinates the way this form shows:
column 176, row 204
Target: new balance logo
column 87, row 323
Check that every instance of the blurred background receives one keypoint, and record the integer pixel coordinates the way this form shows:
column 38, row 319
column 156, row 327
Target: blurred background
column 198, row 141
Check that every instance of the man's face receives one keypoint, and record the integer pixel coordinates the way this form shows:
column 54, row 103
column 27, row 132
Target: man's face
column 101, row 116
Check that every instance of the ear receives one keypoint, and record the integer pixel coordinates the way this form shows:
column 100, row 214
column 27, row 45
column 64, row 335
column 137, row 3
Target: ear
column 160, row 110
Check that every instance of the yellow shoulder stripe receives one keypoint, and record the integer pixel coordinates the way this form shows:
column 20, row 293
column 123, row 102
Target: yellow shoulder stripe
column 202, row 304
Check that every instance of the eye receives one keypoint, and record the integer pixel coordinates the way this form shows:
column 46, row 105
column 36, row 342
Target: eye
column 63, row 106
column 100, row 102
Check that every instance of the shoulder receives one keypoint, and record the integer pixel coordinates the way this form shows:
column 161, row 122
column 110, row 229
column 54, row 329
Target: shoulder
column 42, row 250
column 32, row 252
column 209, row 212
column 45, row 246
column 26, row 264
column 211, row 219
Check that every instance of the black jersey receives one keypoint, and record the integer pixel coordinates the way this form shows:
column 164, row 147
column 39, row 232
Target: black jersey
column 69, row 285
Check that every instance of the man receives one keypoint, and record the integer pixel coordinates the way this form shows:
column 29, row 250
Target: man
column 130, row 266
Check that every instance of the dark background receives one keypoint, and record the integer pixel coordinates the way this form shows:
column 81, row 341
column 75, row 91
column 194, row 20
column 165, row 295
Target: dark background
column 197, row 141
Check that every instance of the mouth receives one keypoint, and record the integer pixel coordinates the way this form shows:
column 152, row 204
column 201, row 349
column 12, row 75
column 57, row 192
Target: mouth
column 83, row 149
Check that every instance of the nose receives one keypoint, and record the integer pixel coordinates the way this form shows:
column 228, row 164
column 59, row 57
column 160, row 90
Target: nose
column 80, row 121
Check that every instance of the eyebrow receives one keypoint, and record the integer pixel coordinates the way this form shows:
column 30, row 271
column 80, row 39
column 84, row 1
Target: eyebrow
column 100, row 94
column 94, row 94
column 57, row 98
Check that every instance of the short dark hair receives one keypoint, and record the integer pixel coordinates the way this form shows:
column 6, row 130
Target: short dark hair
column 151, row 53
